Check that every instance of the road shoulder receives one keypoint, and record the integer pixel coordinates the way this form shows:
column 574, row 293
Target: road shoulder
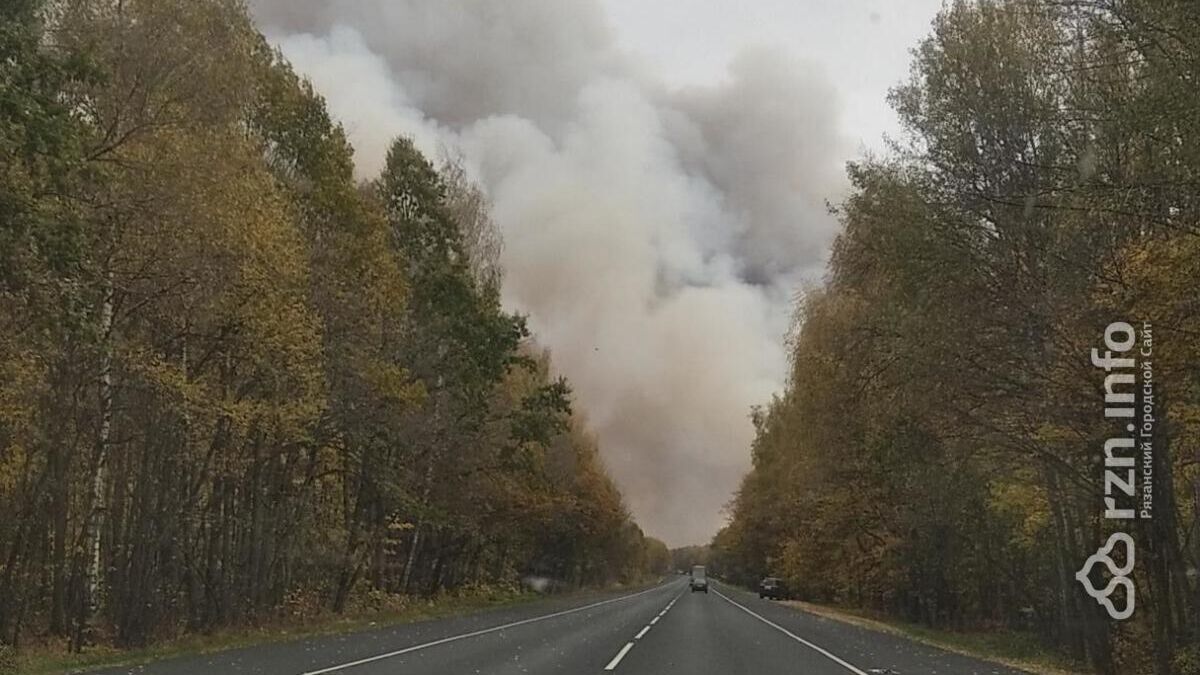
column 48, row 662
column 1015, row 651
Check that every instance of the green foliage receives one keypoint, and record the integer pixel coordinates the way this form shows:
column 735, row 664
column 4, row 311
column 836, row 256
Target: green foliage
column 39, row 140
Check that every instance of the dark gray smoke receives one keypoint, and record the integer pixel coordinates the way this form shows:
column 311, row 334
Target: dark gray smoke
column 654, row 235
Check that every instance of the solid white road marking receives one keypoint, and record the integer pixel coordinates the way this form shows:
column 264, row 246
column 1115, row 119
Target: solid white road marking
column 820, row 650
column 612, row 665
column 485, row 631
column 641, row 633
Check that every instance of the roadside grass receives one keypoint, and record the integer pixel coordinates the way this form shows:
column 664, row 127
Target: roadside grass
column 53, row 659
column 1022, row 651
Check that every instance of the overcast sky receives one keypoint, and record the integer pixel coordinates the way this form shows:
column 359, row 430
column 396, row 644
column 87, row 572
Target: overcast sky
column 660, row 172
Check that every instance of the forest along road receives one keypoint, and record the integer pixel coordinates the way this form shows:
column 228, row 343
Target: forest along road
column 663, row 630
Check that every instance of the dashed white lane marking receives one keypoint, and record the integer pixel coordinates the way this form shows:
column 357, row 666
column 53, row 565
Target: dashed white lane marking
column 612, row 665
column 485, row 631
column 820, row 650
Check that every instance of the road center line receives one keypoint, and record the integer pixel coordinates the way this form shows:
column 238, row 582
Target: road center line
column 485, row 631
column 820, row 650
column 612, row 665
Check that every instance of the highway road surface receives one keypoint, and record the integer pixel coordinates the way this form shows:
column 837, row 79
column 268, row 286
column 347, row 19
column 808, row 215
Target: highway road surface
column 663, row 630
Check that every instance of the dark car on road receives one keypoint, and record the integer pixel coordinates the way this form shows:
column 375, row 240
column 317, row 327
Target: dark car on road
column 771, row 587
column 699, row 581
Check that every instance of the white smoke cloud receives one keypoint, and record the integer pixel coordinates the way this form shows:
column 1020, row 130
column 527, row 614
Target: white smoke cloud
column 653, row 235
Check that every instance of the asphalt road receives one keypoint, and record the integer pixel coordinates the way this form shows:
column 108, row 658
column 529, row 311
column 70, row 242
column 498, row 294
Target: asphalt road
column 664, row 630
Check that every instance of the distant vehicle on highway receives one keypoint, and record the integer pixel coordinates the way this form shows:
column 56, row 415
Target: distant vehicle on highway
column 772, row 587
column 698, row 582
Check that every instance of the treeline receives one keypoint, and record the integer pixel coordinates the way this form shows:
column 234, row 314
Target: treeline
column 234, row 382
column 686, row 557
column 938, row 454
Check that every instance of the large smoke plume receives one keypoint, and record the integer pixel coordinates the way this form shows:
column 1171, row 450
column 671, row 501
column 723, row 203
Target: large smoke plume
column 654, row 235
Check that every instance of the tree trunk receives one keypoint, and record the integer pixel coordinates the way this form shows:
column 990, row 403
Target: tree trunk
column 59, row 563
column 426, row 490
column 93, row 575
